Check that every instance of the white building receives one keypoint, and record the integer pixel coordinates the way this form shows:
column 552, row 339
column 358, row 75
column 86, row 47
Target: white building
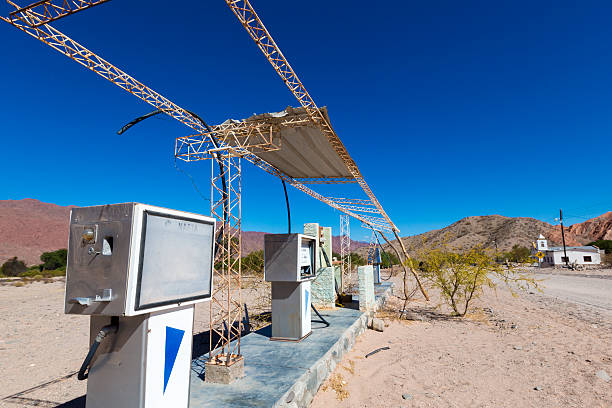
column 554, row 256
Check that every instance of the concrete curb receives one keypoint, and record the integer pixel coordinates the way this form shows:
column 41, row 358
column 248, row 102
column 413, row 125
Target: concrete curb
column 303, row 391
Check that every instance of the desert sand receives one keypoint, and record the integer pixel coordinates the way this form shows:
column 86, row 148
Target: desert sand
column 530, row 351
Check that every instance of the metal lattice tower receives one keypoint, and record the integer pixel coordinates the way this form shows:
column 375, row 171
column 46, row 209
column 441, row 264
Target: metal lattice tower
column 226, row 298
column 371, row 248
column 345, row 246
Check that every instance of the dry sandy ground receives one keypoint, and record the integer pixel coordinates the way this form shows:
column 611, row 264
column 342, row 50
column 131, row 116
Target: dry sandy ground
column 495, row 358
column 40, row 346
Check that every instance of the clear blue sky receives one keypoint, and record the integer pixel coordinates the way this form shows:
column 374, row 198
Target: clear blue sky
column 450, row 109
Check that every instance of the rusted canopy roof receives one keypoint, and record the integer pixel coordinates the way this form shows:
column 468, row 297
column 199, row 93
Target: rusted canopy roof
column 304, row 151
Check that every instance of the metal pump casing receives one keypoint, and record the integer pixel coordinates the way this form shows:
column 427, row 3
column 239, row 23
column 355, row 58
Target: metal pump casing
column 130, row 259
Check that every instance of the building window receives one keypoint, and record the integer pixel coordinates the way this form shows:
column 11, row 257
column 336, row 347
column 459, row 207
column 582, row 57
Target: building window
column 587, row 259
column 564, row 259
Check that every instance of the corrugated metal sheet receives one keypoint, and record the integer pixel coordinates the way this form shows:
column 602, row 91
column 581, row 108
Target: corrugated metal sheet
column 305, row 151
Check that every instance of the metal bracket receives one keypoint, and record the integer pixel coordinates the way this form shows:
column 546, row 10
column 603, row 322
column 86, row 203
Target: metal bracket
column 107, row 296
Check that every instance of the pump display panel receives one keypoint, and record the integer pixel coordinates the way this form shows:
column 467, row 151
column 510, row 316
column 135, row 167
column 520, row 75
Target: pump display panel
column 289, row 257
column 129, row 259
column 173, row 260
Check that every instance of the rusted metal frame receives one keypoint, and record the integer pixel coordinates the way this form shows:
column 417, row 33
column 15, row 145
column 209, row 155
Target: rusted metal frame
column 254, row 26
column 252, row 23
column 371, row 247
column 345, row 248
column 51, row 10
column 351, row 201
column 325, row 180
column 359, row 208
column 240, row 135
column 227, row 321
column 75, row 51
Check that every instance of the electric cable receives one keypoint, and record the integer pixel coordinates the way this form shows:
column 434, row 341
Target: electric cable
column 215, row 143
column 325, row 322
column 288, row 208
column 82, row 375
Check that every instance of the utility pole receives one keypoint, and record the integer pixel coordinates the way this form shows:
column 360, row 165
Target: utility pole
column 563, row 238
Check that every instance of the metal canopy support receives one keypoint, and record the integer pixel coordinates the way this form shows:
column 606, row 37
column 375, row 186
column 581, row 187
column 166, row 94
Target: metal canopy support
column 345, row 247
column 226, row 298
column 251, row 22
column 34, row 19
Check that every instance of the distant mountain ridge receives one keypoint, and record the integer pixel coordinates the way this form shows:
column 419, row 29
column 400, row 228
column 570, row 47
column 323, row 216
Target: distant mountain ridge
column 498, row 231
column 30, row 227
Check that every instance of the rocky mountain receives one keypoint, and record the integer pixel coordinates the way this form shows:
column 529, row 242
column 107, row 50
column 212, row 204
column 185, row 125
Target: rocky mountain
column 504, row 232
column 30, row 227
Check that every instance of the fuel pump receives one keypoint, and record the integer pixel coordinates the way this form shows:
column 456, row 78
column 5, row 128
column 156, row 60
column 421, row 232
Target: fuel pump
column 137, row 271
column 376, row 266
column 290, row 264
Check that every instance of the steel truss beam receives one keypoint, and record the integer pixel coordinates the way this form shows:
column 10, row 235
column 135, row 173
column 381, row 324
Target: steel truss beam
column 46, row 11
column 249, row 19
column 250, row 136
column 258, row 32
column 35, row 24
column 226, row 299
column 85, row 57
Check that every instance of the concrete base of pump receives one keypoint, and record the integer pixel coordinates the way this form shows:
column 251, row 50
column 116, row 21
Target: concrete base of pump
column 222, row 374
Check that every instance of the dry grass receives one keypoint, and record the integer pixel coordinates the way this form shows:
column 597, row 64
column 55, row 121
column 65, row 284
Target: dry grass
column 351, row 367
column 336, row 382
column 478, row 315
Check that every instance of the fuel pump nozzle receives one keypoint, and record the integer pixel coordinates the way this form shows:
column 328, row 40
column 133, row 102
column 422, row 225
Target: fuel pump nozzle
column 111, row 328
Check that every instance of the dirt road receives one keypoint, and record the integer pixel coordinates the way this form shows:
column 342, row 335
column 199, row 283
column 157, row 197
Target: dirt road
column 593, row 291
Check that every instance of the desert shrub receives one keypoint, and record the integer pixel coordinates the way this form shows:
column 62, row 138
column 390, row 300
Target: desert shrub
column 518, row 254
column 253, row 262
column 387, row 259
column 34, row 273
column 13, row 267
column 605, row 244
column 55, row 259
column 357, row 260
column 461, row 277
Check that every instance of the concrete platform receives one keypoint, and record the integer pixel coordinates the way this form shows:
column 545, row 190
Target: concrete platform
column 284, row 374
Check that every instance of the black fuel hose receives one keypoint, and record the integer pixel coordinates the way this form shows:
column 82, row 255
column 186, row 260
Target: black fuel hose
column 82, row 375
column 325, row 322
column 326, row 257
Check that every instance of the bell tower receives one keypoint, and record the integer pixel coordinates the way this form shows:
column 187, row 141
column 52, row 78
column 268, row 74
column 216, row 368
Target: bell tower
column 542, row 243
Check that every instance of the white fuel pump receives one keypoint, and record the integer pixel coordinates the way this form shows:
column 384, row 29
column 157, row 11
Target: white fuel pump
column 138, row 270
column 290, row 263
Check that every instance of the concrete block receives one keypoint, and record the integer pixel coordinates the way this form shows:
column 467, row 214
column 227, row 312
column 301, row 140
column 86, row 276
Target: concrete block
column 376, row 324
column 367, row 300
column 222, row 374
column 323, row 289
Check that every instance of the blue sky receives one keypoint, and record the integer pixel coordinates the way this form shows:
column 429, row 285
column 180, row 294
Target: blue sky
column 450, row 109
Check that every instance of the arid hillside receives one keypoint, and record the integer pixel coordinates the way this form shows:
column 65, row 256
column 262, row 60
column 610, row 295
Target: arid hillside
column 505, row 232
column 30, row 227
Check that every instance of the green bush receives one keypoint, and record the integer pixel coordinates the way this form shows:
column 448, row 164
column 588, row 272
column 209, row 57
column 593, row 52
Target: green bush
column 461, row 277
column 54, row 260
column 605, row 244
column 253, row 262
column 518, row 254
column 13, row 267
column 33, row 273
